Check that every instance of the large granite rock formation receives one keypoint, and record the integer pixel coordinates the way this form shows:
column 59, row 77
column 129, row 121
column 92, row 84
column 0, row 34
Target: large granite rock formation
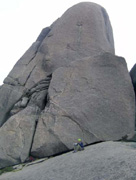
column 103, row 161
column 83, row 30
column 90, row 94
column 86, row 100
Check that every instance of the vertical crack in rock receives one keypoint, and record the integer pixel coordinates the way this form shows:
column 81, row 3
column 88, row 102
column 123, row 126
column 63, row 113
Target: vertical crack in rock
column 29, row 75
column 43, row 86
column 35, row 127
column 32, row 57
column 79, row 26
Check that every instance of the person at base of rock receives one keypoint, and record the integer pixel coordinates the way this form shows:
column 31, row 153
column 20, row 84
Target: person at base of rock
column 29, row 159
column 79, row 146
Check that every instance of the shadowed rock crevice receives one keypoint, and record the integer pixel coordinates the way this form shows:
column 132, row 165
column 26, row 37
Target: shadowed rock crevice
column 36, row 122
column 36, row 95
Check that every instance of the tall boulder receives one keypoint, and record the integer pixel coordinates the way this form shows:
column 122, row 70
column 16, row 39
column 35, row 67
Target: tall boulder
column 90, row 95
column 83, row 30
column 93, row 99
column 16, row 136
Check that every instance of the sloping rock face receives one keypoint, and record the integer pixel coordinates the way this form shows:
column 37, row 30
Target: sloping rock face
column 86, row 109
column 133, row 77
column 89, row 102
column 108, row 160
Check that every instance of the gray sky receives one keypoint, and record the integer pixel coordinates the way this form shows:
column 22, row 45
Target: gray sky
column 22, row 21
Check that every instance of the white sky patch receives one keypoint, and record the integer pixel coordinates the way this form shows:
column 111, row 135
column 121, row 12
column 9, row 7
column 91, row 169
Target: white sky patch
column 22, row 21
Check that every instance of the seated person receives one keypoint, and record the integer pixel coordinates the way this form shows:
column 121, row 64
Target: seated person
column 79, row 146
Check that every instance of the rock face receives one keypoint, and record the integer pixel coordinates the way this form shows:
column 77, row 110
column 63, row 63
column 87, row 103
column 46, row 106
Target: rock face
column 108, row 160
column 90, row 95
column 89, row 102
column 16, row 136
column 84, row 30
column 133, row 77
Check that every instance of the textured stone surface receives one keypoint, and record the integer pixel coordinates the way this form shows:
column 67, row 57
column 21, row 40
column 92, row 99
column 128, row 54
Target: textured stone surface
column 83, row 30
column 104, row 161
column 87, row 100
column 16, row 136
column 133, row 76
column 93, row 101
column 9, row 95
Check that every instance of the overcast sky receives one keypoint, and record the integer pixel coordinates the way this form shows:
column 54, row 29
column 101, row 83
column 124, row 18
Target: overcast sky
column 21, row 21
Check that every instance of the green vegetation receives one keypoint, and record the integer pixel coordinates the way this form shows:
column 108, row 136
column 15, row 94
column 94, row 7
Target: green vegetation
column 6, row 169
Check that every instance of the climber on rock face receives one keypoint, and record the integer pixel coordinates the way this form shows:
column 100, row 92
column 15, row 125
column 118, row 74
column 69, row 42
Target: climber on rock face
column 79, row 146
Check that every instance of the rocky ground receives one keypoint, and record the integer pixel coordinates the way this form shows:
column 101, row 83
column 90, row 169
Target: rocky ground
column 103, row 161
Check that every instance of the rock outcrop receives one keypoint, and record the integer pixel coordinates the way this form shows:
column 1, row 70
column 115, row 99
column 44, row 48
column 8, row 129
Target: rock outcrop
column 68, row 84
column 133, row 76
column 108, row 160
column 84, row 30
column 86, row 100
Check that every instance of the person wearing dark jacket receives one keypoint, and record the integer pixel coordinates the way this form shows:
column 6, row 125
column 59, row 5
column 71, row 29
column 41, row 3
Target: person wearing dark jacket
column 79, row 146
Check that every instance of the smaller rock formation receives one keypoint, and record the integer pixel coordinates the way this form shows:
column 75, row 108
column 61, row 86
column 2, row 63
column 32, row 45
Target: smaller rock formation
column 133, row 77
column 16, row 136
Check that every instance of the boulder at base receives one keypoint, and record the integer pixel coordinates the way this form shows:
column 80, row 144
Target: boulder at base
column 16, row 137
column 104, row 161
column 92, row 99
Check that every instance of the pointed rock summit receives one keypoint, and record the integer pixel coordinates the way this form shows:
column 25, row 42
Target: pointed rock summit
column 69, row 84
